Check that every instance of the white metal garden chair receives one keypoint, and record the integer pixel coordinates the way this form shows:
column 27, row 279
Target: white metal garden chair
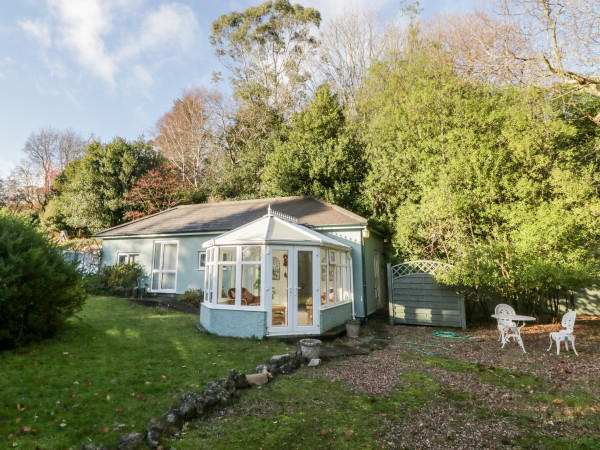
column 503, row 308
column 566, row 335
column 507, row 328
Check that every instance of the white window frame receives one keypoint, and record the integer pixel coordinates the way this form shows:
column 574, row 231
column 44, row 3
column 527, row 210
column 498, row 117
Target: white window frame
column 128, row 255
column 332, row 263
column 159, row 271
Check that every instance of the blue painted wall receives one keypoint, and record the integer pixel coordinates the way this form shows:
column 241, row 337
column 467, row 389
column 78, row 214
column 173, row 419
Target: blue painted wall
column 188, row 275
column 234, row 323
column 333, row 317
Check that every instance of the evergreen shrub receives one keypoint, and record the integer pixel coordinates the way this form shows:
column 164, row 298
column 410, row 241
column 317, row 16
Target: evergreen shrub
column 119, row 279
column 39, row 289
column 192, row 297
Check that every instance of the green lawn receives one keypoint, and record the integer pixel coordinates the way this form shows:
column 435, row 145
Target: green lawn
column 116, row 366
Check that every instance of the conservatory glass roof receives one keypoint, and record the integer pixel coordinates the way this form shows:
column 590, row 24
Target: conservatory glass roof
column 271, row 229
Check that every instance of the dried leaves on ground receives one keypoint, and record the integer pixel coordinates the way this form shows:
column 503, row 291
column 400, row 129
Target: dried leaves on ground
column 468, row 392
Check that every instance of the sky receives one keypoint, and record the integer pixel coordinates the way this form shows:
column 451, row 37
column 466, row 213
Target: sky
column 112, row 68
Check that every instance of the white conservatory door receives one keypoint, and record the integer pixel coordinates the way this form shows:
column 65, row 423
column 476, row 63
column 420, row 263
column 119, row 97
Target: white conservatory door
column 294, row 286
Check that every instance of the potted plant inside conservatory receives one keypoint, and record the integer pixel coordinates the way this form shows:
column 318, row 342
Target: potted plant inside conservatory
column 353, row 327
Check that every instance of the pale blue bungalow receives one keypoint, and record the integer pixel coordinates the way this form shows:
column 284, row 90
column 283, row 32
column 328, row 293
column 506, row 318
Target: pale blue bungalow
column 268, row 267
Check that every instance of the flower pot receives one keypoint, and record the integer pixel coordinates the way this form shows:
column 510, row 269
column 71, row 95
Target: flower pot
column 352, row 329
column 310, row 348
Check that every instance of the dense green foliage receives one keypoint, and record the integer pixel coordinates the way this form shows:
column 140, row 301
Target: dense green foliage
column 192, row 296
column 491, row 180
column 90, row 193
column 320, row 156
column 120, row 279
column 39, row 290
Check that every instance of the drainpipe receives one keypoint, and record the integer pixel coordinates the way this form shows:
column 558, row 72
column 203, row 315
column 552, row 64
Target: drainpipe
column 364, row 276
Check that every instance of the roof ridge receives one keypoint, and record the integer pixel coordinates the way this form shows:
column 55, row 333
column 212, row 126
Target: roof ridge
column 250, row 200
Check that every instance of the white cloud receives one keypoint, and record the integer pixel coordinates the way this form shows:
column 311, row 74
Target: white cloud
column 107, row 38
column 38, row 30
column 81, row 25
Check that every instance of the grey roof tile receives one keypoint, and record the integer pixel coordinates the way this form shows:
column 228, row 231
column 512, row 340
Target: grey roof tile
column 222, row 216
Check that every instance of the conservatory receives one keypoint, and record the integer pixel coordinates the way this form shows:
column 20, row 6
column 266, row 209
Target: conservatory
column 275, row 277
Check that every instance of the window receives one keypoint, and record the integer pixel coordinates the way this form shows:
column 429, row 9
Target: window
column 201, row 260
column 226, row 272
column 251, row 259
column 128, row 258
column 164, row 266
column 335, row 277
column 233, row 276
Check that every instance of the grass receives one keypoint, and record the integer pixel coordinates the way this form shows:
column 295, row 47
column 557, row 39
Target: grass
column 116, row 366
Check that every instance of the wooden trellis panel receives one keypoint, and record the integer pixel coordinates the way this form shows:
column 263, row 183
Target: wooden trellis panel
column 417, row 299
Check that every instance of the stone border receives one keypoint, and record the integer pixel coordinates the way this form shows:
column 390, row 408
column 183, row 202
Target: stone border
column 194, row 406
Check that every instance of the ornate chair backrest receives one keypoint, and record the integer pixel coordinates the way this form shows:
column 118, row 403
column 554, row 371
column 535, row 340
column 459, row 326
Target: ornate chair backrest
column 568, row 321
column 503, row 308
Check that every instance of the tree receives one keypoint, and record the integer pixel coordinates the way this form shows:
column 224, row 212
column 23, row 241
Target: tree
column 39, row 290
column 50, row 150
column 158, row 189
column 348, row 46
column 488, row 179
column 320, row 156
column 186, row 134
column 90, row 195
column 23, row 191
column 545, row 43
column 265, row 50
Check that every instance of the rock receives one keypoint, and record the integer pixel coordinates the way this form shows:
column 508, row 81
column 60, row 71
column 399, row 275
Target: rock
column 314, row 362
column 296, row 362
column 239, row 379
column 173, row 418
column 219, row 391
column 190, row 406
column 159, row 428
column 279, row 360
column 287, row 368
column 273, row 369
column 258, row 379
column 261, row 368
column 131, row 441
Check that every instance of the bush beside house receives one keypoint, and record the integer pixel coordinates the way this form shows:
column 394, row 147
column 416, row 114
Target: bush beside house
column 39, row 289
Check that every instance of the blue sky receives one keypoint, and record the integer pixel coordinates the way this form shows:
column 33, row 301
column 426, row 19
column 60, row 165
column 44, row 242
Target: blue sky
column 113, row 67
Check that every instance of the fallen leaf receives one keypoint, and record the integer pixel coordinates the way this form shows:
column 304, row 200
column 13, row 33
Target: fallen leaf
column 18, row 420
column 324, row 432
column 106, row 429
column 11, row 436
column 349, row 432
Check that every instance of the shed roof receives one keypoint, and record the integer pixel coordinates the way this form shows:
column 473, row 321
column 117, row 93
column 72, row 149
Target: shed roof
column 273, row 230
column 224, row 216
